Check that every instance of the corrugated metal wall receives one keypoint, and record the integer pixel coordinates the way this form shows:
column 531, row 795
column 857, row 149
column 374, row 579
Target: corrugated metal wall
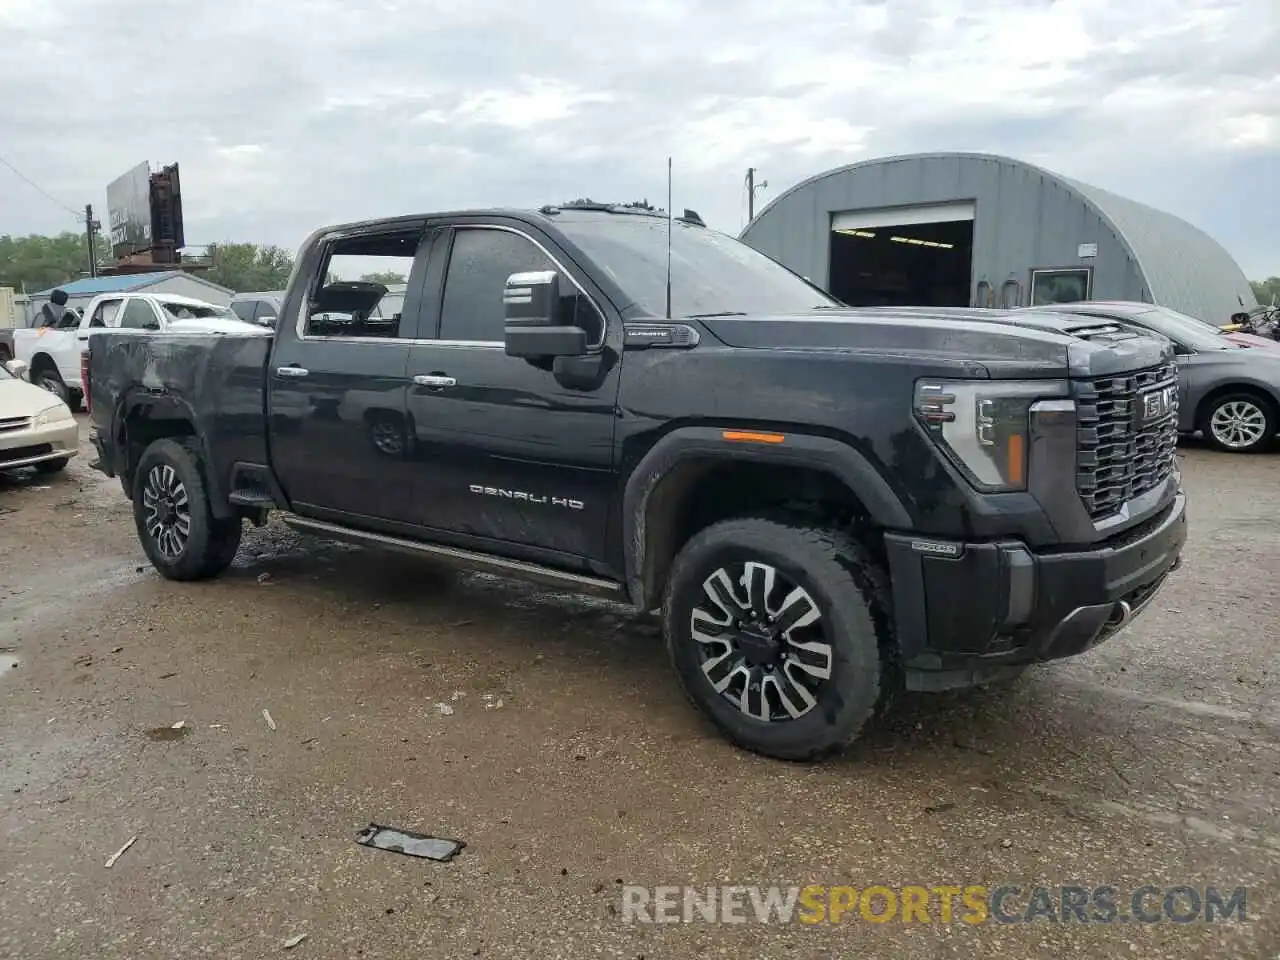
column 1025, row 218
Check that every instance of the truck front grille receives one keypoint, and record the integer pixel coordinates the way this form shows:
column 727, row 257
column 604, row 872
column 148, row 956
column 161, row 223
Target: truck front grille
column 1126, row 437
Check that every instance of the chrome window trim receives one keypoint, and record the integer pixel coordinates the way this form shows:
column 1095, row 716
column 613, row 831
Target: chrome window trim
column 300, row 324
column 410, row 341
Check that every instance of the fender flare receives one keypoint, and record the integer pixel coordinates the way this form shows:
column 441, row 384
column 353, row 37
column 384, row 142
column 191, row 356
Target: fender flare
column 139, row 397
column 842, row 461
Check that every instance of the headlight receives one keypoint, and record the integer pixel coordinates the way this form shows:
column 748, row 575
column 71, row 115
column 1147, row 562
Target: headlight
column 55, row 414
column 983, row 425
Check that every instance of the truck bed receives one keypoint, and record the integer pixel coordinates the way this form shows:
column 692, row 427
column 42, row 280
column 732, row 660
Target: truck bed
column 216, row 380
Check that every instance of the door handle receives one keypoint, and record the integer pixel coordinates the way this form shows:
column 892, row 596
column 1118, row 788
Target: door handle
column 292, row 372
column 434, row 380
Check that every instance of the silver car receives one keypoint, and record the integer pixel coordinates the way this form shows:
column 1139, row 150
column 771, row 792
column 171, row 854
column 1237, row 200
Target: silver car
column 1228, row 391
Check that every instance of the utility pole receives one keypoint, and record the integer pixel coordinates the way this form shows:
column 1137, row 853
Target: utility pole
column 752, row 187
column 91, row 226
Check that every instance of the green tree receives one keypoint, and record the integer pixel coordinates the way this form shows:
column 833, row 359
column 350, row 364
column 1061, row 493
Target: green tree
column 383, row 276
column 246, row 267
column 1266, row 291
column 38, row 263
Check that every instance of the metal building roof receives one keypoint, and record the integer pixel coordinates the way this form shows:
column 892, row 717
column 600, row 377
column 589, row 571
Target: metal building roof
column 1184, row 266
column 92, row 286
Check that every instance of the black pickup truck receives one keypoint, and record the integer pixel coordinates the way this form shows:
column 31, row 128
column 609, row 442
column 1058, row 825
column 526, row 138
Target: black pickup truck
column 826, row 504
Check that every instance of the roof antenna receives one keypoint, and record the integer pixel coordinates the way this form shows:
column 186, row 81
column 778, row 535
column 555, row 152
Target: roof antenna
column 669, row 209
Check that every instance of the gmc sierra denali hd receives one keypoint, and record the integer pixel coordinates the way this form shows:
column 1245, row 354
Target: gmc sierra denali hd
column 826, row 504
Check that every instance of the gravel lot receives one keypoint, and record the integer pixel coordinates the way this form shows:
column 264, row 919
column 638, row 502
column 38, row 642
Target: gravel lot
column 571, row 763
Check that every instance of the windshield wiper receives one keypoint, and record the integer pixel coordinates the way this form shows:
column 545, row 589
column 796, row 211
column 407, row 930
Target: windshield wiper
column 722, row 313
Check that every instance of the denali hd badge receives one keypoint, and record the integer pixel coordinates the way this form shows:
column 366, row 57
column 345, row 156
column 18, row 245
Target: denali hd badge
column 1159, row 403
column 521, row 495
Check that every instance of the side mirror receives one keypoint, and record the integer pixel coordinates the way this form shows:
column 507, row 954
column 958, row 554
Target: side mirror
column 531, row 302
column 17, row 368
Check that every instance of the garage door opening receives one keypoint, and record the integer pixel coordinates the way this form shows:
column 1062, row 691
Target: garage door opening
column 900, row 258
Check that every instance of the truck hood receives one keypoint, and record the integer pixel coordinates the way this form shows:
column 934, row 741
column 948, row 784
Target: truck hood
column 1041, row 344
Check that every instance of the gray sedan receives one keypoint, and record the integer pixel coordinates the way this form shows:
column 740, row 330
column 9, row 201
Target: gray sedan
column 1230, row 392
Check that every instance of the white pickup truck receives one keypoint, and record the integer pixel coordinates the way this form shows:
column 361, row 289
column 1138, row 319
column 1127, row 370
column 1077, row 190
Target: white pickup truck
column 52, row 354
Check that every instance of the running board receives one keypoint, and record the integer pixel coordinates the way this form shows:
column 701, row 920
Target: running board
column 463, row 559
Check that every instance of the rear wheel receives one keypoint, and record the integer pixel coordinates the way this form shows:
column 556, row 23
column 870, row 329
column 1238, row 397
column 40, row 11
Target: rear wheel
column 777, row 631
column 181, row 536
column 1239, row 423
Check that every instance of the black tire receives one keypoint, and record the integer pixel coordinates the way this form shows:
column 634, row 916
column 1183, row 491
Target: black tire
column 850, row 593
column 52, row 466
column 171, row 468
column 48, row 378
column 1241, row 401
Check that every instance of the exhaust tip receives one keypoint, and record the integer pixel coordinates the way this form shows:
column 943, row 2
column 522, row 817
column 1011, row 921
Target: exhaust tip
column 1121, row 615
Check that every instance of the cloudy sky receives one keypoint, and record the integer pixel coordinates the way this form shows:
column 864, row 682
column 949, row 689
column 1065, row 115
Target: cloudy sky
column 288, row 114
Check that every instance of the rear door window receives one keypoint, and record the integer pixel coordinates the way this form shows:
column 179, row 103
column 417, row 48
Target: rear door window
column 138, row 315
column 357, row 273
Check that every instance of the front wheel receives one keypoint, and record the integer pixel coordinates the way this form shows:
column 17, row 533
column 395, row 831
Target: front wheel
column 779, row 634
column 1239, row 423
column 181, row 536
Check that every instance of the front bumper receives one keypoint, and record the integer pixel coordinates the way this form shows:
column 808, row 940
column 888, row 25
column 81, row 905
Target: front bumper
column 53, row 441
column 968, row 613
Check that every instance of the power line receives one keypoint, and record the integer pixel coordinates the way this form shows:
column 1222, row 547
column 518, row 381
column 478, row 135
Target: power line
column 41, row 190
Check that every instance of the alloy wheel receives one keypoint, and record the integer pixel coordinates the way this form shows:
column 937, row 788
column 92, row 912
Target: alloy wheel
column 386, row 438
column 762, row 641
column 166, row 511
column 1238, row 424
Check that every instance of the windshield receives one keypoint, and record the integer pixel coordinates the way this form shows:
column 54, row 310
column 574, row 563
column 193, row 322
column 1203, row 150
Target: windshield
column 191, row 311
column 1185, row 330
column 711, row 273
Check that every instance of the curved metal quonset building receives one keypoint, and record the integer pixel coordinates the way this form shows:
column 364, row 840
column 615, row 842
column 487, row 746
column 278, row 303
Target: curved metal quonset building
column 962, row 229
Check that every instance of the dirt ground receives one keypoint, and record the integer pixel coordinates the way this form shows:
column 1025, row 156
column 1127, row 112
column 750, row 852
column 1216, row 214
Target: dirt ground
column 571, row 764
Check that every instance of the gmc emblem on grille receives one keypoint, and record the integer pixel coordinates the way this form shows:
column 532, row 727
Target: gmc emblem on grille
column 1159, row 403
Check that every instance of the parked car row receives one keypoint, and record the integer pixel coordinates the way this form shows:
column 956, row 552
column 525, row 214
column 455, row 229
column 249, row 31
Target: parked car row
column 52, row 353
column 37, row 429
column 1228, row 383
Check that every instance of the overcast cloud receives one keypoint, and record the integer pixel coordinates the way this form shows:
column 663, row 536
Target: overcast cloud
column 289, row 114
